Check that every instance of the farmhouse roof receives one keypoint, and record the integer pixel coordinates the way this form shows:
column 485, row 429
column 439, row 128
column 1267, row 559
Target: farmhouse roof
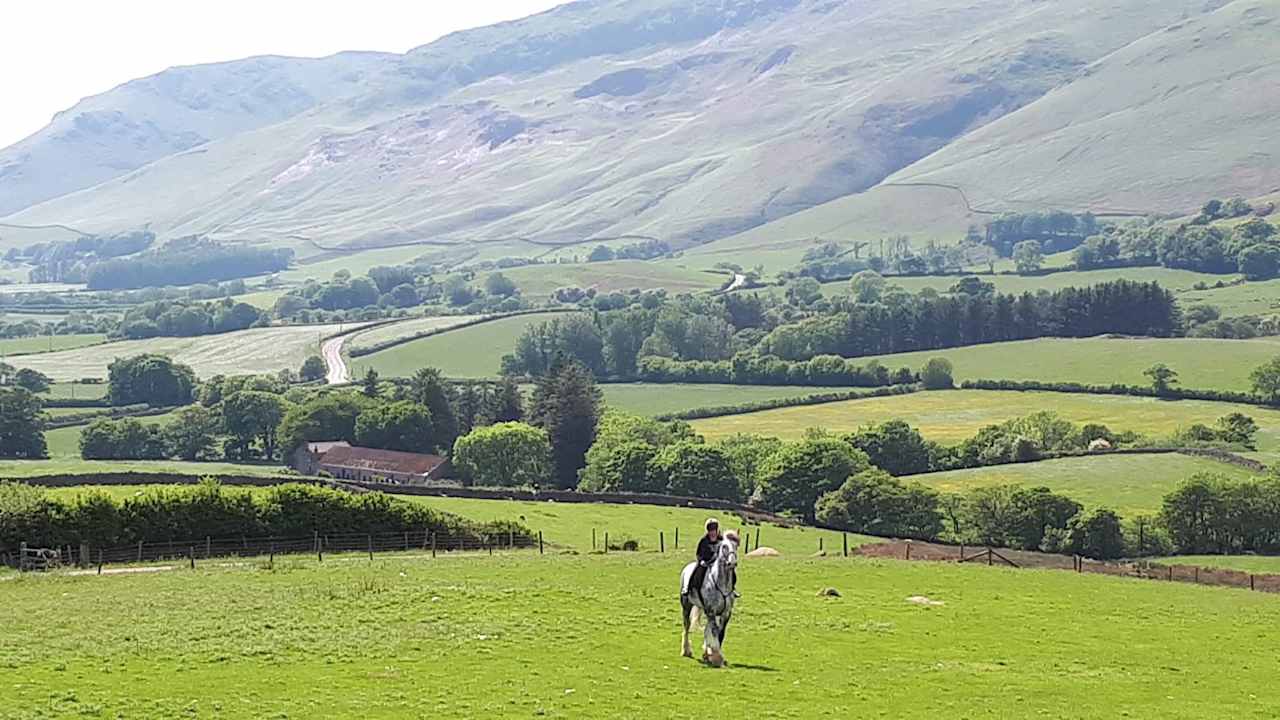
column 389, row 461
column 321, row 448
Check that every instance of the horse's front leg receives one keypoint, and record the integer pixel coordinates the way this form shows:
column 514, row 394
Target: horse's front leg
column 711, row 641
column 686, row 608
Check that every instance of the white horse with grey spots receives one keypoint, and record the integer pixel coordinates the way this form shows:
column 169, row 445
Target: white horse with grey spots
column 714, row 599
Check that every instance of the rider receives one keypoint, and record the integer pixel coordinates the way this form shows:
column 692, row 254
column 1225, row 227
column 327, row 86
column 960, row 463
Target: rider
column 706, row 554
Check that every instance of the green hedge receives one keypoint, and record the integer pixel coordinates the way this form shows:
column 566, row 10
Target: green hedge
column 761, row 405
column 1117, row 389
column 32, row 515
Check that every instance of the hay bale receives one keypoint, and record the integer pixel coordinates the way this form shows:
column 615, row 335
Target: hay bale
column 922, row 600
column 764, row 552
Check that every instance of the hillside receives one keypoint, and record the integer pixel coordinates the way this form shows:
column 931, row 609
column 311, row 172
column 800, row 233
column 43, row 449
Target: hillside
column 684, row 121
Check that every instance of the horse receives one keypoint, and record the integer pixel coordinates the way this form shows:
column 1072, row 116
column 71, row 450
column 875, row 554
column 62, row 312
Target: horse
column 715, row 600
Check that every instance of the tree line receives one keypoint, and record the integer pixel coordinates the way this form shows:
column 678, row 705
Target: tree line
column 167, row 318
column 187, row 261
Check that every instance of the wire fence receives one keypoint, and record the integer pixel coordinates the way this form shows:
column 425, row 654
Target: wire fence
column 318, row 544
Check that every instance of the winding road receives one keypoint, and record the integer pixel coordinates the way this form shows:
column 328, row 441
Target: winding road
column 331, row 351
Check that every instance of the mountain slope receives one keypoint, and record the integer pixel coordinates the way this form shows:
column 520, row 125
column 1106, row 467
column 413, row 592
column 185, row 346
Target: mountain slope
column 1179, row 116
column 689, row 121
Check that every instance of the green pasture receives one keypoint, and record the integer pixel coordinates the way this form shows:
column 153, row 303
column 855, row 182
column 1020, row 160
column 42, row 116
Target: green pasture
column 1252, row 298
column 1258, row 564
column 606, row 277
column 662, row 398
column 69, row 390
column 48, row 343
column 472, row 352
column 404, row 329
column 66, row 461
column 523, row 635
column 1129, row 484
column 1201, row 363
column 951, row 416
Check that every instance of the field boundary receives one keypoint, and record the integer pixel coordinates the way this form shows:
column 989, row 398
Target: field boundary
column 1071, row 388
column 1223, row 456
column 912, row 550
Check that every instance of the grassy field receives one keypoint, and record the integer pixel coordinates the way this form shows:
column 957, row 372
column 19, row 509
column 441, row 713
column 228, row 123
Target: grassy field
column 1017, row 284
column 523, row 635
column 1129, row 484
column 1201, row 363
column 48, row 343
column 403, row 329
column 1253, row 298
column 259, row 350
column 953, row 415
column 64, row 443
column 1260, row 564
column 77, row 390
column 474, row 352
column 661, row 398
column 606, row 277
column 67, row 462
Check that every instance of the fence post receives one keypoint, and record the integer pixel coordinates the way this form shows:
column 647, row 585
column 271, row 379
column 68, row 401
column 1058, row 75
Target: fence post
column 677, row 538
column 271, row 561
column 989, row 557
column 1197, row 576
column 1251, row 581
column 369, row 539
column 820, row 543
column 489, row 541
column 139, row 551
column 844, row 537
column 606, row 542
column 908, row 549
column 433, row 545
column 662, row 542
column 511, row 539
column 539, row 542
column 1170, row 573
column 191, row 554
column 208, row 546
column 100, row 561
column 593, row 538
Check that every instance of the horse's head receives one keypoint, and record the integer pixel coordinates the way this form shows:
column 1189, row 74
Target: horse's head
column 729, row 550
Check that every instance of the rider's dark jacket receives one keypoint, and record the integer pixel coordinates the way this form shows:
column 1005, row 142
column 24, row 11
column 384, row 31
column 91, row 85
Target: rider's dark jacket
column 707, row 550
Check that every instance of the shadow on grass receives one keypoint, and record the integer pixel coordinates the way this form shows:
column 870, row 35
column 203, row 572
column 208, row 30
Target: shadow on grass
column 739, row 666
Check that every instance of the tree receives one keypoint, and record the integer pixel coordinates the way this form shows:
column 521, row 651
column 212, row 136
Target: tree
column 21, row 425
column 504, row 454
column 403, row 426
column 1028, row 256
column 507, row 404
column 124, row 439
column 937, row 374
column 250, row 415
column 620, row 468
column 1163, row 378
column 893, row 446
column 313, row 369
column 427, row 387
column 746, row 453
column 324, row 418
column 1189, row 511
column 32, row 380
column 876, row 503
column 369, row 384
column 1097, row 534
column 153, row 379
column 693, row 469
column 793, row 478
column 1259, row 262
column 566, row 403
column 1239, row 429
column 803, row 292
column 867, row 286
column 192, row 434
column 1266, row 380
column 499, row 285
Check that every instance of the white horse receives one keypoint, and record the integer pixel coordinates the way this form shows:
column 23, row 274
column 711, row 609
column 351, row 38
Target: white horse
column 714, row 599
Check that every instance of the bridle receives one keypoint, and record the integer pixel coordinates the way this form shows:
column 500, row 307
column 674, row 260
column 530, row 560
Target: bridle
column 724, row 568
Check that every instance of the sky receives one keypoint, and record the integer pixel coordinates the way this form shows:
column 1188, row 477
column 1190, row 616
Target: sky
column 55, row 52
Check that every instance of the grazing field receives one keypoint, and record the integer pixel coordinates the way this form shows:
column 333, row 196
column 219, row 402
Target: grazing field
column 254, row 351
column 64, row 443
column 523, row 635
column 1252, row 298
column 67, row 462
column 1129, row 484
column 473, row 352
column 606, row 277
column 662, row 398
column 404, row 329
column 1259, row 564
column 71, row 390
column 953, row 415
column 1201, row 363
column 48, row 343
column 1169, row 278
column 357, row 262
